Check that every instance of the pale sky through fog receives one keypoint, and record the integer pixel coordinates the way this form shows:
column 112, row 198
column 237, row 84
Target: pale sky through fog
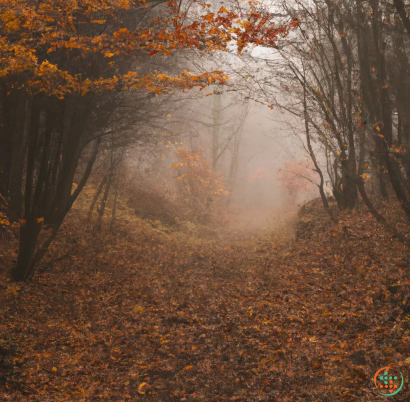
column 269, row 137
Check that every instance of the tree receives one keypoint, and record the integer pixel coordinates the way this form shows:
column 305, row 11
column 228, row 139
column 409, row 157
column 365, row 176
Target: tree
column 342, row 81
column 63, row 66
column 200, row 187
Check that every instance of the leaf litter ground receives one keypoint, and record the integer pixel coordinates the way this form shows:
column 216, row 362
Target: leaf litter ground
column 148, row 314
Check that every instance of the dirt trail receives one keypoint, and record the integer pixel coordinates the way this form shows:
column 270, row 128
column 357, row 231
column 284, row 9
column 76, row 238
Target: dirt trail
column 146, row 316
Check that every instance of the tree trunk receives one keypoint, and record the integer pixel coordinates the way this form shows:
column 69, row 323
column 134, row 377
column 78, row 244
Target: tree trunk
column 340, row 199
column 216, row 115
column 350, row 189
column 15, row 207
column 395, row 178
column 114, row 208
column 360, row 184
column 28, row 257
column 310, row 149
column 95, row 198
column 103, row 203
column 401, row 9
column 382, row 186
column 378, row 106
column 28, row 241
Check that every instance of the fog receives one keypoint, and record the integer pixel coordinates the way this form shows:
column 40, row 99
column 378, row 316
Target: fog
column 263, row 138
column 204, row 201
column 249, row 129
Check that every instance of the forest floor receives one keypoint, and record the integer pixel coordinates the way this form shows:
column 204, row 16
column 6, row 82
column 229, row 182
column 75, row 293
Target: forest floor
column 154, row 315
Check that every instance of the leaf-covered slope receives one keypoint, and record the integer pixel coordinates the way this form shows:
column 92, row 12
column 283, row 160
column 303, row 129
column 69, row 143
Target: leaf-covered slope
column 144, row 315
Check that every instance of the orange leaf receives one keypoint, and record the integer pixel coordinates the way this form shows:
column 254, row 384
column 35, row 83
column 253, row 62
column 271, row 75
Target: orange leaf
column 142, row 385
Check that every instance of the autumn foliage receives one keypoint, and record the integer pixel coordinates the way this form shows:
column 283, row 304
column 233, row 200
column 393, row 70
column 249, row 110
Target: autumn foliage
column 143, row 308
column 61, row 47
column 213, row 320
column 201, row 190
column 65, row 67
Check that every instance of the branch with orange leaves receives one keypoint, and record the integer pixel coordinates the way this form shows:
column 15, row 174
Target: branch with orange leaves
column 34, row 39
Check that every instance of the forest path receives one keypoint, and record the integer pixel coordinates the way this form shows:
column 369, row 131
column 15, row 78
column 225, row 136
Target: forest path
column 142, row 316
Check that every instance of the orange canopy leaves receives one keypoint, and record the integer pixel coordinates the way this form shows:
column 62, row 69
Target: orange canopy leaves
column 71, row 34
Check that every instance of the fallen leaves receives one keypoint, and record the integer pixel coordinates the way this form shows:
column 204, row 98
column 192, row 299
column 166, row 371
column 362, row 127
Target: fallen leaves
column 143, row 387
column 169, row 324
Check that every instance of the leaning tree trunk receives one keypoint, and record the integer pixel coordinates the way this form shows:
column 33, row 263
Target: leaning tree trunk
column 95, row 197
column 360, row 185
column 311, row 152
column 56, row 227
column 29, row 256
column 28, row 241
column 104, row 203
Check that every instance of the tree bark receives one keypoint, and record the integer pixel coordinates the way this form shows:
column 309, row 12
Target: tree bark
column 15, row 207
column 28, row 258
column 104, row 202
column 377, row 105
column 360, row 185
column 29, row 232
column 96, row 196
column 401, row 10
column 114, row 208
column 310, row 150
